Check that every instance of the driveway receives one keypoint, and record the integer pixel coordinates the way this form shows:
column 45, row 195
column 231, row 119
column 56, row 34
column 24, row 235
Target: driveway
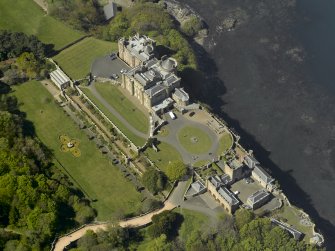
column 181, row 121
column 114, row 112
column 104, row 67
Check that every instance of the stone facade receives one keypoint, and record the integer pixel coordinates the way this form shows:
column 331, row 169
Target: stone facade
column 150, row 80
column 222, row 195
column 234, row 169
column 136, row 50
column 263, row 178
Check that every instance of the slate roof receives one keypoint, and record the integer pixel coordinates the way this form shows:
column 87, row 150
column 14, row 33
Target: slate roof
column 169, row 64
column 110, row 10
column 228, row 196
column 216, row 181
column 260, row 172
column 250, row 161
column 181, row 94
column 155, row 90
column 296, row 234
column 198, row 186
column 258, row 196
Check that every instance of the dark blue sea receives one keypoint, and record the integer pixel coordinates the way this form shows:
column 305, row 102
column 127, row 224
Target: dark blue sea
column 273, row 79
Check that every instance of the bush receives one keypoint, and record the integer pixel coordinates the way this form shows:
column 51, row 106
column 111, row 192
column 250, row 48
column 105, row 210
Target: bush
column 164, row 223
column 191, row 26
column 153, row 180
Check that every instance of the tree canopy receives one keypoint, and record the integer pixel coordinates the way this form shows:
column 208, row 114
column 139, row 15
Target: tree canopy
column 81, row 14
column 153, row 20
column 13, row 44
column 36, row 199
column 153, row 180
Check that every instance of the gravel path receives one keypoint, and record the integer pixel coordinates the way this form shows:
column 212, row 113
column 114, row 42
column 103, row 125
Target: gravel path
column 135, row 222
column 171, row 203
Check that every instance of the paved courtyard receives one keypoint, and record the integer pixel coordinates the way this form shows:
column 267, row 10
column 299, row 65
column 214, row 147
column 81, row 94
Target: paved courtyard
column 105, row 66
column 245, row 190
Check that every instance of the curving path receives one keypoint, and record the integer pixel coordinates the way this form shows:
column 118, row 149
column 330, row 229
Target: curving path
column 174, row 200
column 134, row 222
column 175, row 125
column 116, row 113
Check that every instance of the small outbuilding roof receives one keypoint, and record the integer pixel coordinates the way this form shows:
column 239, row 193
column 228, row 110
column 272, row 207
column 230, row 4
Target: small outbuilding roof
column 110, row 10
column 59, row 77
column 258, row 196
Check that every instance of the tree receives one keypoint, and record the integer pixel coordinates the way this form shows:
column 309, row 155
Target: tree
column 28, row 64
column 88, row 240
column 159, row 244
column 191, row 26
column 243, row 217
column 164, row 223
column 153, row 180
column 175, row 170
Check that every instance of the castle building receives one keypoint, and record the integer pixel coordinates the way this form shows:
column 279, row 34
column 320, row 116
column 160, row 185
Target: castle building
column 152, row 81
column 222, row 194
column 136, row 50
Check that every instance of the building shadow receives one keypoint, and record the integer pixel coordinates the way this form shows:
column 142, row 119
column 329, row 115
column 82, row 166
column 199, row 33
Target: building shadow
column 208, row 88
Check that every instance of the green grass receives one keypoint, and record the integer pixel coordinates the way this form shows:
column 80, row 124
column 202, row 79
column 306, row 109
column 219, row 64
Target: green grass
column 76, row 60
column 165, row 154
column 200, row 163
column 291, row 215
column 124, row 106
column 203, row 142
column 217, row 168
column 26, row 16
column 92, row 171
column 225, row 143
column 138, row 141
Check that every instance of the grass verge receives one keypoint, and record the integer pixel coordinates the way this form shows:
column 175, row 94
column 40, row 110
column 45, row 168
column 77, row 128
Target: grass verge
column 26, row 16
column 101, row 180
column 138, row 141
column 123, row 106
column 225, row 143
column 165, row 154
column 76, row 60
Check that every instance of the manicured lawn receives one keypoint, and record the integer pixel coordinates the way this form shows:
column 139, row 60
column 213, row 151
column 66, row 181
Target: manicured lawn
column 226, row 142
column 134, row 138
column 165, row 154
column 124, row 106
column 92, row 171
column 194, row 140
column 76, row 60
column 28, row 17
column 200, row 163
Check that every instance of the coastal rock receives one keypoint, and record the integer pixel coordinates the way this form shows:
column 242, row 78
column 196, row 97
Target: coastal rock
column 182, row 14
